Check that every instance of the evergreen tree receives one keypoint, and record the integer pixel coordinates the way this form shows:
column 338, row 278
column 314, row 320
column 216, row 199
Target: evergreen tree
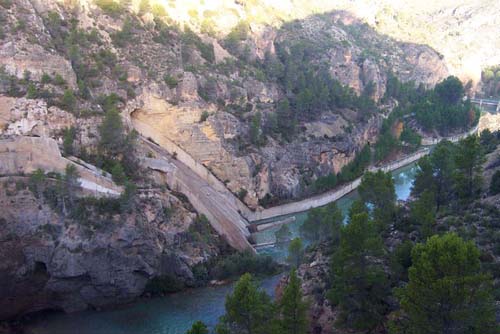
column 423, row 213
column 447, row 293
column 70, row 184
column 293, row 308
column 118, row 173
column 488, row 141
column 469, row 159
column 68, row 100
column 359, row 285
column 295, row 252
column 443, row 165
column 31, row 92
column 424, row 179
column 37, row 181
column 255, row 129
column 495, row 183
column 322, row 224
column 401, row 261
column 357, row 207
column 68, row 139
column 198, row 328
column 112, row 135
column 286, row 119
column 450, row 90
column 283, row 236
column 377, row 189
column 248, row 310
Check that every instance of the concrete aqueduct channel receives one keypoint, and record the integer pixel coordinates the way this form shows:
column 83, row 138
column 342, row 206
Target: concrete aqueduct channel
column 227, row 214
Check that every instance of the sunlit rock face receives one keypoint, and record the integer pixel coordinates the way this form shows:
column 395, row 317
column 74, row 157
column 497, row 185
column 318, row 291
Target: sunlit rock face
column 173, row 82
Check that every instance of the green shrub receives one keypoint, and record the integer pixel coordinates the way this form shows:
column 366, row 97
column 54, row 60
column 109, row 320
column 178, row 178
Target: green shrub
column 238, row 33
column 110, row 7
column 118, row 173
column 204, row 116
column 242, row 194
column 32, row 92
column 59, row 80
column 68, row 139
column 171, row 81
column 46, row 79
column 246, row 262
column 68, row 100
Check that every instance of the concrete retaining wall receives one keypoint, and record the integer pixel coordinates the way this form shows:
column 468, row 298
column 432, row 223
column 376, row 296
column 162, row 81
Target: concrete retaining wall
column 330, row 196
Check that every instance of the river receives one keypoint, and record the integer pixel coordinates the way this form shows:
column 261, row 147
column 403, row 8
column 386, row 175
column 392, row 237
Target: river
column 403, row 181
column 175, row 313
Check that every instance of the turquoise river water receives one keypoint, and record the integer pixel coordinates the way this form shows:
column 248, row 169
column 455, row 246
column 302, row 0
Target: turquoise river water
column 175, row 313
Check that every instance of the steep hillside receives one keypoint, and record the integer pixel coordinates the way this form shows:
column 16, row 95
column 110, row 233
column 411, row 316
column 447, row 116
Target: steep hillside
column 222, row 99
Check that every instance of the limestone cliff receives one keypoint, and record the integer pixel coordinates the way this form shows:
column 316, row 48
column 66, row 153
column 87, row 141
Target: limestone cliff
column 199, row 89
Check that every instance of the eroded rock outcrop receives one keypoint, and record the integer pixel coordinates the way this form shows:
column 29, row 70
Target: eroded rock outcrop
column 49, row 261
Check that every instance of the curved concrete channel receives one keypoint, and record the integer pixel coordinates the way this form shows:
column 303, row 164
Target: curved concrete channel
column 229, row 216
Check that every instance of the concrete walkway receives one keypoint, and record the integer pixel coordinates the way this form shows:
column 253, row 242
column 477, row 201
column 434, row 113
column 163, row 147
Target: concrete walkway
column 329, row 196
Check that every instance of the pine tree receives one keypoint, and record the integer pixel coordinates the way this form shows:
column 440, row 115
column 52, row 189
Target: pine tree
column 248, row 310
column 378, row 190
column 37, row 181
column 359, row 285
column 71, row 182
column 255, row 129
column 469, row 159
column 295, row 252
column 423, row 213
column 293, row 308
column 112, row 136
column 323, row 224
column 447, row 293
column 443, row 166
column 198, row 328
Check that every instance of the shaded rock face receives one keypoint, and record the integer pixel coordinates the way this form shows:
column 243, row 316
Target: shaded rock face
column 52, row 262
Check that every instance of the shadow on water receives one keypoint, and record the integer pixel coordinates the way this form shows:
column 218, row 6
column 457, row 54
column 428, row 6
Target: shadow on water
column 173, row 314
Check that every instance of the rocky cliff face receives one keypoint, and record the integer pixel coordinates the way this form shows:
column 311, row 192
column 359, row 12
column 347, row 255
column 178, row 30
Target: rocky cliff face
column 51, row 261
column 172, row 76
column 189, row 73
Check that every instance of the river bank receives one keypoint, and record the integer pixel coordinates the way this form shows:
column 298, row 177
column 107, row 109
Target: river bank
column 172, row 314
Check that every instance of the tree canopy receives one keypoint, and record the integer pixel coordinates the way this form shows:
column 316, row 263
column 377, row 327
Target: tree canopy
column 447, row 293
